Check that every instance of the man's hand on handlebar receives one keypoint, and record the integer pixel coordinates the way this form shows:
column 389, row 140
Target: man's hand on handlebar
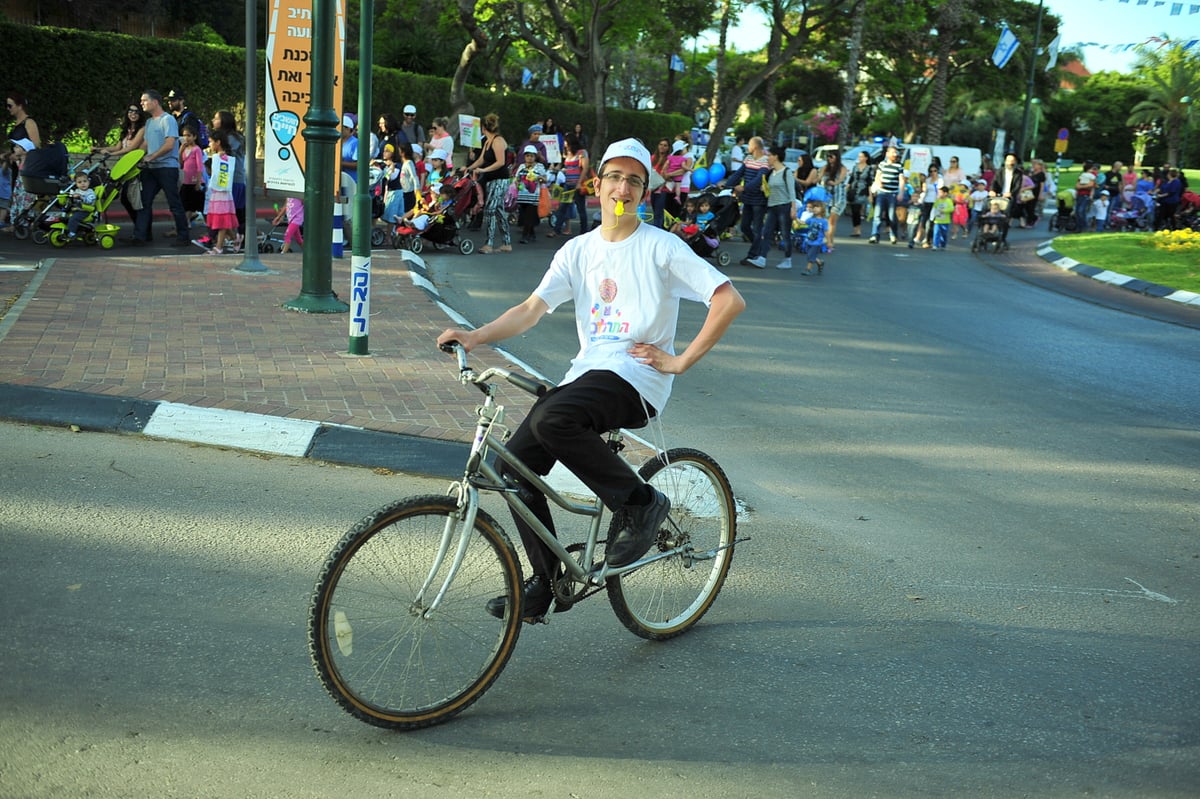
column 464, row 337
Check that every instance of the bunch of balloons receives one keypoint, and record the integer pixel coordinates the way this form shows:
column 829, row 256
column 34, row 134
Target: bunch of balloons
column 702, row 176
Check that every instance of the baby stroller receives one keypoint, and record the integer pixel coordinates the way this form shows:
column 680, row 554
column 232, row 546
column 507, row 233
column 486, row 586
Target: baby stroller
column 436, row 223
column 992, row 230
column 468, row 200
column 442, row 231
column 1143, row 206
column 44, row 174
column 1188, row 215
column 272, row 240
column 706, row 243
column 1064, row 219
column 108, row 186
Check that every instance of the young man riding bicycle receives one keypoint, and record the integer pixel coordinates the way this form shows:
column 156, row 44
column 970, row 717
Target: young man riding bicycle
column 626, row 280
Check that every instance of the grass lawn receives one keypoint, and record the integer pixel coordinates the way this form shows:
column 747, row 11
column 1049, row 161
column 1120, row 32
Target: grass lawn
column 1132, row 254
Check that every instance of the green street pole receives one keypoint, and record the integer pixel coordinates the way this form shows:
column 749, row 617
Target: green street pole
column 360, row 261
column 1037, row 115
column 1029, row 88
column 250, row 260
column 321, row 136
column 1187, row 131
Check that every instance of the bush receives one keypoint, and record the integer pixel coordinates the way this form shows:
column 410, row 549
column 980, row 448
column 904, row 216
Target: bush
column 213, row 75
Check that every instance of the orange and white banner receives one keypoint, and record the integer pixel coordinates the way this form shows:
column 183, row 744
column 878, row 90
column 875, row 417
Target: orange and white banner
column 289, row 89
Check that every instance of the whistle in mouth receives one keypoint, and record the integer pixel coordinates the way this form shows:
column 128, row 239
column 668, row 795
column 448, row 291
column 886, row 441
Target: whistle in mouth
column 620, row 209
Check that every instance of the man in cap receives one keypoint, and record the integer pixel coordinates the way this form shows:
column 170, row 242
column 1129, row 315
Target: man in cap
column 409, row 129
column 186, row 117
column 626, row 279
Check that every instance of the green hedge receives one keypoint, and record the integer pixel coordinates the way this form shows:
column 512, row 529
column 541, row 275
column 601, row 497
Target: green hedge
column 77, row 79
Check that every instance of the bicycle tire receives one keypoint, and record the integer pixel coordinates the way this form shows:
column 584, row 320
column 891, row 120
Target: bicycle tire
column 666, row 598
column 382, row 661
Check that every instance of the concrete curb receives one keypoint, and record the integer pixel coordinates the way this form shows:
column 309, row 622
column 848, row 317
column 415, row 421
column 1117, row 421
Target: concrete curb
column 1046, row 251
column 233, row 429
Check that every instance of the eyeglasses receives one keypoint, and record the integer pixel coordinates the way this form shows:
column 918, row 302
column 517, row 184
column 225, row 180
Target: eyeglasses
column 632, row 181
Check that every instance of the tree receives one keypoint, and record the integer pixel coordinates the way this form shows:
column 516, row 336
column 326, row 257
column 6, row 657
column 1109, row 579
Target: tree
column 795, row 30
column 922, row 55
column 1172, row 77
column 858, row 26
column 950, row 18
column 1095, row 114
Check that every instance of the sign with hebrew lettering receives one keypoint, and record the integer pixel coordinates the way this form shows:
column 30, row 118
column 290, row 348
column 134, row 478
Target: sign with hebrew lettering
column 288, row 89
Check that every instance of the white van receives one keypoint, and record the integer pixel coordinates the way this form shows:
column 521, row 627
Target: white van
column 918, row 157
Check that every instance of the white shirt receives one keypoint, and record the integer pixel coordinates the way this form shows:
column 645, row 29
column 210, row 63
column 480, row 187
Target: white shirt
column 627, row 292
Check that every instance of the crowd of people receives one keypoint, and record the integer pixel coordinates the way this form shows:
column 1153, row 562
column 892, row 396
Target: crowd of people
column 775, row 200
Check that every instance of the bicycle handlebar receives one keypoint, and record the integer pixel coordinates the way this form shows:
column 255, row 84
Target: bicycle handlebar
column 467, row 375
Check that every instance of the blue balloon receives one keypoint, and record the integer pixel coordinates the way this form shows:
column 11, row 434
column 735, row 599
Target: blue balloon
column 716, row 172
column 699, row 178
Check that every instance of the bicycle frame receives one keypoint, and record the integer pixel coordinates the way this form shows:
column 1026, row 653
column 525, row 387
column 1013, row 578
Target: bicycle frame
column 481, row 475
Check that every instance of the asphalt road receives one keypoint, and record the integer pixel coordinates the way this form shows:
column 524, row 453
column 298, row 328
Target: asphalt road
column 973, row 571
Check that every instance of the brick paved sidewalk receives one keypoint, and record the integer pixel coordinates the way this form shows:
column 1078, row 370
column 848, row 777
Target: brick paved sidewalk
column 190, row 329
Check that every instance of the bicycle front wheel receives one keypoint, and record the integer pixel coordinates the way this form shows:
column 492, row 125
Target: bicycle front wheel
column 665, row 598
column 379, row 650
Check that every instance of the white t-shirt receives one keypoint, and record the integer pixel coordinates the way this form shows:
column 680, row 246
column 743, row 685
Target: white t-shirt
column 627, row 292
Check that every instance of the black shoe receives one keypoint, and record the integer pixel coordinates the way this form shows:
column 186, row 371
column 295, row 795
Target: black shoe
column 180, row 243
column 134, row 241
column 642, row 523
column 536, row 599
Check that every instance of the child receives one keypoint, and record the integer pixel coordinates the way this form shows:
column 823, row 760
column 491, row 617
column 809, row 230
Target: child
column 991, row 224
column 943, row 213
column 294, row 210
column 979, row 202
column 814, row 235
column 82, row 195
column 393, row 196
column 1098, row 213
column 686, row 225
column 564, row 209
column 962, row 210
column 191, row 160
column 530, row 177
column 420, row 217
column 705, row 214
column 436, row 171
column 219, row 207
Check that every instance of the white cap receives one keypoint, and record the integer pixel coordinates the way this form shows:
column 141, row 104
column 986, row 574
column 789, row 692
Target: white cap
column 410, row 109
column 679, row 146
column 25, row 144
column 418, row 150
column 347, row 121
column 627, row 148
column 530, row 150
column 438, row 153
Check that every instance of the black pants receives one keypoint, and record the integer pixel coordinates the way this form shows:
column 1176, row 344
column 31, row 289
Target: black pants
column 568, row 425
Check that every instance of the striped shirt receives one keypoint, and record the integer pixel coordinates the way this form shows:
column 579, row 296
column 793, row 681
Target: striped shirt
column 889, row 175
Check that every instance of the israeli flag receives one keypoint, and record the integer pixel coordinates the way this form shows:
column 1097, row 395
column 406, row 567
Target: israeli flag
column 1054, row 45
column 1004, row 48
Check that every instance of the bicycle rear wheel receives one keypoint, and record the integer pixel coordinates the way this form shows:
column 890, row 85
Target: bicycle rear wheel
column 377, row 652
column 665, row 598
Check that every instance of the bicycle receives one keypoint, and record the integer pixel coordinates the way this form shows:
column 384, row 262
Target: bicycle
column 398, row 631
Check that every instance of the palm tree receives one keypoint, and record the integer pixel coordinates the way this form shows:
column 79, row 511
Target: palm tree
column 1172, row 77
